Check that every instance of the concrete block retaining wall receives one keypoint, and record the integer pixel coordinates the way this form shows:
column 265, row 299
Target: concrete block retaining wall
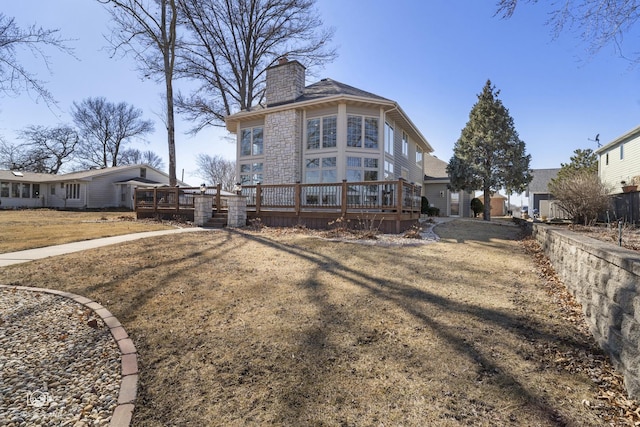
column 605, row 279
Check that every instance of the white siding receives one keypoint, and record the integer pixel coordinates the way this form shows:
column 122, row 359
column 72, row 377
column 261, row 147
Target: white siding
column 617, row 169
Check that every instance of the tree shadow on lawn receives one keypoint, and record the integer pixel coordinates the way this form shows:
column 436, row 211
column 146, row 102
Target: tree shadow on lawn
column 420, row 305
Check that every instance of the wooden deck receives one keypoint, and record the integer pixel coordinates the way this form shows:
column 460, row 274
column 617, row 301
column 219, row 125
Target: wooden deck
column 390, row 206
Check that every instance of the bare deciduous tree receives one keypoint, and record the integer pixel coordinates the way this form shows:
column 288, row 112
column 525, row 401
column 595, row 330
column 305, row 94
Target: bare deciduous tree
column 47, row 149
column 599, row 23
column 216, row 170
column 105, row 128
column 14, row 77
column 582, row 195
column 133, row 156
column 147, row 29
column 230, row 45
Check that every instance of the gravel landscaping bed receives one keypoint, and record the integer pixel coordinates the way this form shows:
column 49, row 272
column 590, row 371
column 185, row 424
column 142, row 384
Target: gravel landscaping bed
column 59, row 364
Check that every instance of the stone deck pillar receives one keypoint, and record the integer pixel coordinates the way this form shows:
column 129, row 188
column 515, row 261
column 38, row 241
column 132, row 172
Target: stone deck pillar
column 237, row 211
column 203, row 210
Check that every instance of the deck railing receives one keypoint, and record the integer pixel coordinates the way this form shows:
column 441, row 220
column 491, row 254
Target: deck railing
column 369, row 196
column 392, row 200
column 174, row 199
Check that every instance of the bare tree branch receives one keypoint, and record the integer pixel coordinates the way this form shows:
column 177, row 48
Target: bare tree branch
column 14, row 77
column 231, row 44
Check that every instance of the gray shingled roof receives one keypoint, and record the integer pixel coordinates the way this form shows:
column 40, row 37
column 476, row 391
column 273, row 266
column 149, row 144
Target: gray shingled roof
column 541, row 179
column 328, row 87
column 435, row 168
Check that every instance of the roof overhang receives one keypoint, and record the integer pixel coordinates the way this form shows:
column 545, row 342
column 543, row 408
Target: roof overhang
column 391, row 108
column 627, row 136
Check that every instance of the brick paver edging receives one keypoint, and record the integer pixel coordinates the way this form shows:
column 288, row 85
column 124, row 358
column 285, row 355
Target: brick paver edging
column 129, row 360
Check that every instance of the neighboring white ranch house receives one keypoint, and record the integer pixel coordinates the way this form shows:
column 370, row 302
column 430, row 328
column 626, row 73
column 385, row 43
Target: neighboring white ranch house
column 324, row 133
column 93, row 189
column 619, row 161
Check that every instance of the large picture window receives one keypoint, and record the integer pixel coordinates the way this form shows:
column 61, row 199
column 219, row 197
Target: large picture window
column 251, row 173
column 320, row 170
column 251, row 141
column 322, row 132
column 359, row 127
column 362, row 169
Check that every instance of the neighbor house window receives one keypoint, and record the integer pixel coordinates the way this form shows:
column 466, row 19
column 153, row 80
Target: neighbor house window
column 53, row 190
column 36, row 191
column 359, row 127
column 388, row 138
column 621, row 151
column 26, row 191
column 251, row 141
column 73, row 191
column 418, row 155
column 405, row 144
column 606, row 162
column 320, row 170
column 4, row 189
column 251, row 173
column 322, row 132
column 143, row 172
column 15, row 190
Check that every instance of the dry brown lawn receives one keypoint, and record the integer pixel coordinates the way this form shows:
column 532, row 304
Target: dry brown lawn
column 28, row 229
column 282, row 328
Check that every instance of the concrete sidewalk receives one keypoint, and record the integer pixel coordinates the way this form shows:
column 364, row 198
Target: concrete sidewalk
column 11, row 258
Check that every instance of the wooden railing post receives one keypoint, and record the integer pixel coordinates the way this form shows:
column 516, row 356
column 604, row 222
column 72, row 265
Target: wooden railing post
column 297, row 197
column 218, row 197
column 155, row 199
column 176, row 199
column 258, row 197
column 400, row 195
column 343, row 202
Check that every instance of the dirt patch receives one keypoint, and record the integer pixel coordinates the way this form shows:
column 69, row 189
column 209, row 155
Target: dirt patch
column 275, row 327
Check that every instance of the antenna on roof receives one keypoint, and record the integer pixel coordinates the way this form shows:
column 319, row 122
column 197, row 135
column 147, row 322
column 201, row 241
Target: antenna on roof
column 597, row 140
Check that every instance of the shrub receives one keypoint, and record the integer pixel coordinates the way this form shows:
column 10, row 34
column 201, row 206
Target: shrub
column 476, row 206
column 433, row 211
column 424, row 206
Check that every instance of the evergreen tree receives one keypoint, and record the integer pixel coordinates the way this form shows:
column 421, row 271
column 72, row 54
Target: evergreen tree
column 489, row 154
column 582, row 161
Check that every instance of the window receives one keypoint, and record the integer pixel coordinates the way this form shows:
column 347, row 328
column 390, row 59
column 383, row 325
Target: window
column 143, row 172
column 621, row 151
column 418, row 155
column 357, row 127
column 354, row 131
column 320, row 170
column 607, row 159
column 26, row 191
column 388, row 170
column 15, row 189
column 325, row 130
column 362, row 169
column 4, row 189
column 388, row 138
column 36, row 191
column 251, row 173
column 251, row 142
column 73, row 191
column 53, row 190
column 405, row 144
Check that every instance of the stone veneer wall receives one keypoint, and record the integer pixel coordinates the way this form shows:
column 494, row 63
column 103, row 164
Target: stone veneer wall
column 605, row 279
column 282, row 148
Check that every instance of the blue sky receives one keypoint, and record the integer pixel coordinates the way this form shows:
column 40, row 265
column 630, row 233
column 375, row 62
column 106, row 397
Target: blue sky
column 432, row 57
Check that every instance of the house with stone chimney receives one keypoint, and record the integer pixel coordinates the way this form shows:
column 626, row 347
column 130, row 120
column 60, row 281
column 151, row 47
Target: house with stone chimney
column 326, row 132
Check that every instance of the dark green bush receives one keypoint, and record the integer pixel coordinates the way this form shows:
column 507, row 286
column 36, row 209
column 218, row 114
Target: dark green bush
column 424, row 206
column 433, row 211
column 476, row 206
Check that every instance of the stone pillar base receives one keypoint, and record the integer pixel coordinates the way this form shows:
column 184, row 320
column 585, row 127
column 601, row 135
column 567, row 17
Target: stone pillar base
column 203, row 209
column 237, row 211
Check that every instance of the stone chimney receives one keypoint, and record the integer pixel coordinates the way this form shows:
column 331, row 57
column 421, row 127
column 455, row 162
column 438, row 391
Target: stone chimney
column 285, row 82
